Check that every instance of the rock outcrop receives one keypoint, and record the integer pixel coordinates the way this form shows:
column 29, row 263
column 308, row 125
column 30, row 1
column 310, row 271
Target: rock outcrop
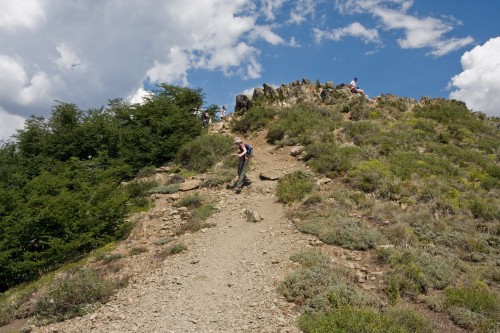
column 326, row 94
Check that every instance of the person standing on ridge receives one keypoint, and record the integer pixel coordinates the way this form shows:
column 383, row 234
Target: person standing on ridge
column 222, row 112
column 206, row 119
column 243, row 161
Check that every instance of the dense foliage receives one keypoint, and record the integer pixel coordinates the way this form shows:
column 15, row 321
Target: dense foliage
column 60, row 192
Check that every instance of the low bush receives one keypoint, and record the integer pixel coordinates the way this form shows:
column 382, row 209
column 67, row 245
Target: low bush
column 12, row 301
column 327, row 158
column 202, row 213
column 475, row 308
column 177, row 248
column 254, row 119
column 295, row 186
column 190, row 201
column 78, row 292
column 163, row 240
column 220, row 177
column 196, row 220
column 204, row 152
column 360, row 132
column 352, row 319
column 171, row 250
column 310, row 258
column 313, row 199
column 318, row 286
column 137, row 250
column 167, row 189
column 374, row 176
column 303, row 123
column 342, row 231
column 415, row 272
column 110, row 257
column 401, row 234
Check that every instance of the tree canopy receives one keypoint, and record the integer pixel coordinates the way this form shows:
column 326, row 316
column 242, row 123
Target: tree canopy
column 60, row 192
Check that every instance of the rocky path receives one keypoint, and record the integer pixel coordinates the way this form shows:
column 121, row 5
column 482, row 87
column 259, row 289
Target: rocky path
column 226, row 281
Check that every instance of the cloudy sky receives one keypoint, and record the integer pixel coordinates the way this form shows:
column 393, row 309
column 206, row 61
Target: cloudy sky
column 87, row 52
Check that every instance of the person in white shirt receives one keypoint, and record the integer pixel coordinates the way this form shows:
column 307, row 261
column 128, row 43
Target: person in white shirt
column 354, row 88
column 223, row 112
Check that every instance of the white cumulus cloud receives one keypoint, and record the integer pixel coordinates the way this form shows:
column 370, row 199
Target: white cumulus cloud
column 355, row 29
column 87, row 52
column 479, row 83
column 419, row 32
column 20, row 14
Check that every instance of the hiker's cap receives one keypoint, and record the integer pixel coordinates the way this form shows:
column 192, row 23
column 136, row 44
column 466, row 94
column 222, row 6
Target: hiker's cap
column 237, row 140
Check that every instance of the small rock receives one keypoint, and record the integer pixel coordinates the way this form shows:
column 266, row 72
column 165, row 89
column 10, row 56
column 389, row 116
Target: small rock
column 252, row 216
column 270, row 175
column 296, row 151
column 189, row 185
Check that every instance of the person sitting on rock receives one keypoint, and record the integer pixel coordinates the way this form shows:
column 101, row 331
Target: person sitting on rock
column 354, row 88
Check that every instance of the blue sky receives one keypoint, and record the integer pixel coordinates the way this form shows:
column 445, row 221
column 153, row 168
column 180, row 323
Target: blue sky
column 86, row 52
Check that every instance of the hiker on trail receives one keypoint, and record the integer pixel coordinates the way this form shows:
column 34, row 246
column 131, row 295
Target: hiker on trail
column 222, row 112
column 355, row 89
column 206, row 119
column 243, row 161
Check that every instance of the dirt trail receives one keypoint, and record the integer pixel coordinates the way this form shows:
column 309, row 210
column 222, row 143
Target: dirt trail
column 226, row 280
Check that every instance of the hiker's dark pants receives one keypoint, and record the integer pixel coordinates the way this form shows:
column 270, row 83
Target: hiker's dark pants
column 242, row 172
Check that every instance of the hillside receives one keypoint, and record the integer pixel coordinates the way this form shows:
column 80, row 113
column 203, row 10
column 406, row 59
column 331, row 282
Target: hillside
column 385, row 217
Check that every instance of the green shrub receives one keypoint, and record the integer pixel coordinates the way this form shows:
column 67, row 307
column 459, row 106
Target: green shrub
column 202, row 213
column 392, row 102
column 401, row 234
column 171, row 250
column 342, row 231
column 358, row 110
column 7, row 313
column 348, row 199
column 77, row 293
column 361, row 132
column 112, row 257
column 168, row 189
column 374, row 176
column 303, row 123
column 415, row 272
column 220, row 176
column 196, row 219
column 313, row 199
column 163, row 240
column 177, row 248
column 190, row 201
column 12, row 301
column 451, row 113
column 475, row 308
column 254, row 119
column 352, row 319
column 318, row 286
column 295, row 186
column 137, row 250
column 310, row 258
column 481, row 208
column 327, row 158
column 204, row 152
column 146, row 171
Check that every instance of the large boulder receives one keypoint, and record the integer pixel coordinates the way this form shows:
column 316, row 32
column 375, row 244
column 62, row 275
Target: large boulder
column 270, row 92
column 243, row 104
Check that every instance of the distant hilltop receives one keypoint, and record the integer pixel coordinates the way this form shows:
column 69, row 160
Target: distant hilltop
column 305, row 91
